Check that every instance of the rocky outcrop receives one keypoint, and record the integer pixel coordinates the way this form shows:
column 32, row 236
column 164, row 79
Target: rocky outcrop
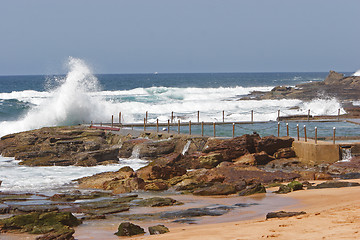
column 55, row 225
column 129, row 229
column 282, row 214
column 335, row 85
column 61, row 146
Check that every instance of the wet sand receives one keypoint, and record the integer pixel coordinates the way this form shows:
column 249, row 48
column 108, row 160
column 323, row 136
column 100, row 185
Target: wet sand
column 105, row 229
column 331, row 214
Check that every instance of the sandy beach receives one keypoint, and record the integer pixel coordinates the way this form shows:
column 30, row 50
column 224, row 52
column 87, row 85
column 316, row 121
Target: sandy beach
column 331, row 214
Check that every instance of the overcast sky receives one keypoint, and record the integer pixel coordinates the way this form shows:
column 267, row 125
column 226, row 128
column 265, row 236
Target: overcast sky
column 145, row 36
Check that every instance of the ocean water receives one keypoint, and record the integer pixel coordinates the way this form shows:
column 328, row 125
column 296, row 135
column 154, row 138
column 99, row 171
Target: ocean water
column 30, row 102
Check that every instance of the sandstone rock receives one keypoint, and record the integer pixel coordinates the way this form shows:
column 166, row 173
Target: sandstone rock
column 232, row 148
column 158, row 229
column 129, row 229
column 98, row 181
column 285, row 153
column 210, row 160
column 55, row 223
column 282, row 214
column 272, row 144
column 216, row 189
column 253, row 189
column 333, row 78
column 156, row 186
column 154, row 149
column 261, row 158
column 160, row 172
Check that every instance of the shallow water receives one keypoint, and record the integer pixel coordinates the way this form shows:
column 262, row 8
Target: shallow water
column 105, row 229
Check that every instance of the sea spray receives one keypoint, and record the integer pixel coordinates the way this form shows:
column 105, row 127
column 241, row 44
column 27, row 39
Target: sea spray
column 357, row 73
column 69, row 104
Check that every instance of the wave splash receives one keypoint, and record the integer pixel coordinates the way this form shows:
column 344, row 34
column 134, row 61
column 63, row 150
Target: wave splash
column 70, row 103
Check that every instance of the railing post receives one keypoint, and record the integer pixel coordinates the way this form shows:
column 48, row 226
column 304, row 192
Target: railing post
column 305, row 133
column 223, row 116
column 214, row 130
column 202, row 128
column 157, row 125
column 112, row 121
column 278, row 115
column 252, row 116
column 308, row 116
column 146, row 116
column 287, row 129
column 198, row 116
column 178, row 126
column 233, row 130
column 120, row 118
column 168, row 126
column 172, row 117
column 278, row 129
column 334, row 129
column 338, row 114
column 91, row 124
column 190, row 127
column 315, row 135
column 298, row 132
column 144, row 124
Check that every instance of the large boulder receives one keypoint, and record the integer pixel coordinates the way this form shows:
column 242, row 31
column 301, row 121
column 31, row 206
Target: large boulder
column 272, row 144
column 261, row 158
column 129, row 229
column 232, row 148
column 333, row 78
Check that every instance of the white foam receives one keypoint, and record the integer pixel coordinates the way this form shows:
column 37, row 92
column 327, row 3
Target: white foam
column 23, row 178
column 357, row 73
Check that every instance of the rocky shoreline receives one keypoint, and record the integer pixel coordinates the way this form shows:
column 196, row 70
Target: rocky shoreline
column 335, row 85
column 200, row 166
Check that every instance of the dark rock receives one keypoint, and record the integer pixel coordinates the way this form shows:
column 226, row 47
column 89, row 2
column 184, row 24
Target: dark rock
column 55, row 223
column 282, row 214
column 232, row 148
column 152, row 149
column 283, row 189
column 272, row 144
column 107, row 210
column 334, row 184
column 293, row 186
column 193, row 212
column 185, row 220
column 158, row 202
column 245, row 204
column 4, row 208
column 158, row 229
column 216, row 189
column 36, row 208
column 129, row 229
column 350, row 176
column 253, row 189
column 70, row 197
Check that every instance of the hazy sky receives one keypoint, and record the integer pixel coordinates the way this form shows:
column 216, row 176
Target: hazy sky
column 143, row 36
